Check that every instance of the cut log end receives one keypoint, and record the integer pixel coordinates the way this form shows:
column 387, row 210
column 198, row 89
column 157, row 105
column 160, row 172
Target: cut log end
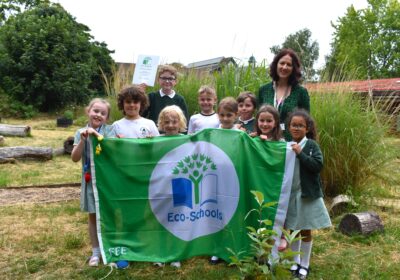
column 69, row 145
column 341, row 204
column 364, row 223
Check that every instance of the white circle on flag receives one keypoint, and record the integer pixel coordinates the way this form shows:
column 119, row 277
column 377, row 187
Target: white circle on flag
column 194, row 190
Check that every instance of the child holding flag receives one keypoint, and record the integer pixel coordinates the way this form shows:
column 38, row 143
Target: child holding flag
column 207, row 118
column 98, row 112
column 267, row 123
column 306, row 210
column 133, row 102
column 247, row 103
column 227, row 113
column 172, row 121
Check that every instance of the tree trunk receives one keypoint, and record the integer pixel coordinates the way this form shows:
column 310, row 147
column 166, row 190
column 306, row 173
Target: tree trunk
column 340, row 204
column 363, row 223
column 15, row 130
column 26, row 152
column 69, row 145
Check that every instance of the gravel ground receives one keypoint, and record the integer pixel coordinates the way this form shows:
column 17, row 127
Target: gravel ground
column 13, row 196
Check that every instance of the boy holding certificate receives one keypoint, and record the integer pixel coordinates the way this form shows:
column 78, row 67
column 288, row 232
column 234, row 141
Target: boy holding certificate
column 166, row 96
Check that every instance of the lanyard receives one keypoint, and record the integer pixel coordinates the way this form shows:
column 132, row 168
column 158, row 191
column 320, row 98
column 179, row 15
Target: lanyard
column 86, row 166
column 278, row 104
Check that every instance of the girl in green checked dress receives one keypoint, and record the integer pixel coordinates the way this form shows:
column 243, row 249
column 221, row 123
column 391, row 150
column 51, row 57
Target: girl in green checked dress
column 306, row 210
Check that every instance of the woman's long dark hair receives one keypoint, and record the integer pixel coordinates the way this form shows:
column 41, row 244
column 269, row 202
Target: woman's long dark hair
column 295, row 77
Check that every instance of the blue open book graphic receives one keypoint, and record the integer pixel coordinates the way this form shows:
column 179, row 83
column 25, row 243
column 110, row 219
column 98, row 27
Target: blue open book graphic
column 182, row 192
column 208, row 189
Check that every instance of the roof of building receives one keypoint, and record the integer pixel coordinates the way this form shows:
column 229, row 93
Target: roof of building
column 211, row 62
column 392, row 84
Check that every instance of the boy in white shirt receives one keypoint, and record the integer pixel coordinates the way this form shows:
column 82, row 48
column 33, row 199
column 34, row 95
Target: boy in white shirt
column 207, row 118
column 133, row 102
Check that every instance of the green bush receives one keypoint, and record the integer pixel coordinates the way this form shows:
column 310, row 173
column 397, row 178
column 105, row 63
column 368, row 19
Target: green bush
column 15, row 109
column 68, row 114
column 49, row 60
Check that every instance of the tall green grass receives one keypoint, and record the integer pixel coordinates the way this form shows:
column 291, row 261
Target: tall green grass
column 351, row 135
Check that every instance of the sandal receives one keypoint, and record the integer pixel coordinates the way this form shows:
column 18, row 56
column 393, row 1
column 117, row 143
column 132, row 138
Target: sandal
column 282, row 245
column 94, row 261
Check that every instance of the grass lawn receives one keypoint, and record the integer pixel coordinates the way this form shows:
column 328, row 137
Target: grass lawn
column 44, row 133
column 50, row 241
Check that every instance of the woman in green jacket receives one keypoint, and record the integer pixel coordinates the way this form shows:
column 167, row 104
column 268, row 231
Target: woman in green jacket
column 284, row 92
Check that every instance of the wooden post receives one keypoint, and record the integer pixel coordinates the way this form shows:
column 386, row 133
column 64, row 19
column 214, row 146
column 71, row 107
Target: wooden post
column 363, row 223
column 26, row 152
column 15, row 130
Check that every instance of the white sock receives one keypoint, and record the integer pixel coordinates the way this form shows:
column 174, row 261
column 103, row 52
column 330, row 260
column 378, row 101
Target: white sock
column 96, row 251
column 306, row 250
column 295, row 246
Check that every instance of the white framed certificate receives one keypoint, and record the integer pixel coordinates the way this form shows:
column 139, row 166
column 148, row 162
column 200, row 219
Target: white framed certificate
column 146, row 70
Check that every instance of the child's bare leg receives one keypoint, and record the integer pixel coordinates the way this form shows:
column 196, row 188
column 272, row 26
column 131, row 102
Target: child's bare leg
column 94, row 259
column 93, row 230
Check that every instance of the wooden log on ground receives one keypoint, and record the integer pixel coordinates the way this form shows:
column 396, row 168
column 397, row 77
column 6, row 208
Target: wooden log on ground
column 22, row 152
column 69, row 145
column 341, row 204
column 1, row 140
column 363, row 223
column 15, row 130
column 58, row 152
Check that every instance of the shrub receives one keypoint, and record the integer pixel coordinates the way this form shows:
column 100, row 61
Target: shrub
column 48, row 60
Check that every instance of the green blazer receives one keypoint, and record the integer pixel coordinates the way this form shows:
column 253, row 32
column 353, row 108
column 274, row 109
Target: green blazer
column 298, row 98
column 311, row 163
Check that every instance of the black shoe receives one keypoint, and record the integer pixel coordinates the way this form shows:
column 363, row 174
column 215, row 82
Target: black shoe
column 303, row 276
column 214, row 260
column 295, row 272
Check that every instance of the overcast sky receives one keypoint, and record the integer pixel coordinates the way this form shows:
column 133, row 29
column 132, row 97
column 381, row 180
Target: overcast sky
column 188, row 31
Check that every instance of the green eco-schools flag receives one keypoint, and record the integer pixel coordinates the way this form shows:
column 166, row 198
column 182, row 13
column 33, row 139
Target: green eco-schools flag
column 170, row 198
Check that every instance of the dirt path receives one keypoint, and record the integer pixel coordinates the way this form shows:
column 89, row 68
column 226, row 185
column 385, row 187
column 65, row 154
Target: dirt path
column 31, row 195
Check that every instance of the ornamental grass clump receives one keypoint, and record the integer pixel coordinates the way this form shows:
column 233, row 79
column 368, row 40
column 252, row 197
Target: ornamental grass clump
column 230, row 81
column 351, row 136
column 120, row 78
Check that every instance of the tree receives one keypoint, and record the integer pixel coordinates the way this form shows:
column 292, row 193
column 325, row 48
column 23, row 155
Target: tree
column 10, row 7
column 366, row 42
column 307, row 50
column 48, row 60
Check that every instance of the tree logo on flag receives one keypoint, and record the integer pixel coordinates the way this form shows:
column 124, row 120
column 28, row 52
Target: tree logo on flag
column 194, row 167
column 194, row 186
